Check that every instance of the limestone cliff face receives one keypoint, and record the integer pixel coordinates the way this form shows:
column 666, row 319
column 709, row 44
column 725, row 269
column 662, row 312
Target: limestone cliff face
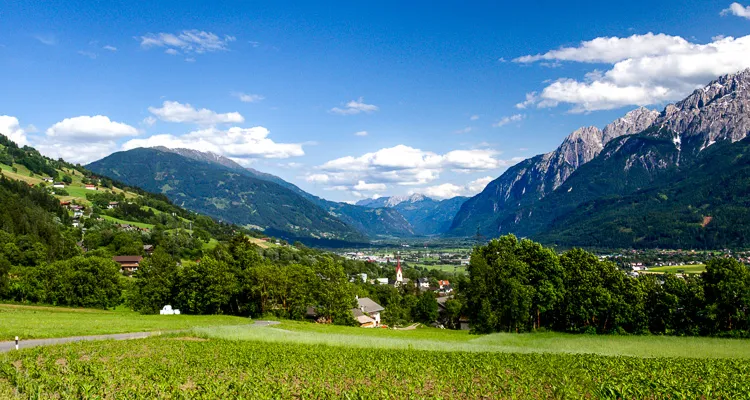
column 719, row 111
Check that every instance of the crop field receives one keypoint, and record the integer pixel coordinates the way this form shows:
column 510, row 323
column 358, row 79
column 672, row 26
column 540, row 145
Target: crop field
column 226, row 357
column 185, row 367
column 673, row 269
column 34, row 322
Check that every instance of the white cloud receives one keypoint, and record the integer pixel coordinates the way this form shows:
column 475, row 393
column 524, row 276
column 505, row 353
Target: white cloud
column 110, row 48
column 444, row 191
column 506, row 120
column 236, row 143
column 75, row 152
column 645, row 69
column 449, row 190
column 190, row 59
column 531, row 99
column 355, row 107
column 360, row 133
column 474, row 117
column 171, row 52
column 187, row 41
column 248, row 98
column 614, row 49
column 88, row 54
column 463, row 130
column 10, row 127
column 49, row 40
column 87, row 127
column 173, row 111
column 369, row 187
column 149, row 121
column 478, row 185
column 738, row 10
column 322, row 178
column 402, row 165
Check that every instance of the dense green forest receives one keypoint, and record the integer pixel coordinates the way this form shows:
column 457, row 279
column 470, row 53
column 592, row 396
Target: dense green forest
column 519, row 286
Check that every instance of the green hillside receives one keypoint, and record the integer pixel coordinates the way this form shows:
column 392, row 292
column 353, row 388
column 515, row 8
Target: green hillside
column 225, row 194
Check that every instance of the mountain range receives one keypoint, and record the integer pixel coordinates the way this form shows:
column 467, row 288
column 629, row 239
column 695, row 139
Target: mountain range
column 219, row 187
column 563, row 196
column 646, row 179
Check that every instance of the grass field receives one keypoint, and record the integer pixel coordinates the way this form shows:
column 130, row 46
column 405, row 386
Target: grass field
column 450, row 340
column 182, row 366
column 122, row 221
column 459, row 269
column 688, row 269
column 32, row 322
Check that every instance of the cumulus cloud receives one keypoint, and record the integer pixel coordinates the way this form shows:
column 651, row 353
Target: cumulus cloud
column 173, row 111
column 645, row 69
column 355, row 107
column 402, row 166
column 10, row 127
column 369, row 187
column 248, row 98
column 360, row 133
column 508, row 119
column 76, row 152
column 237, row 143
column 738, row 10
column 110, row 48
column 449, row 190
column 90, row 127
column 187, row 41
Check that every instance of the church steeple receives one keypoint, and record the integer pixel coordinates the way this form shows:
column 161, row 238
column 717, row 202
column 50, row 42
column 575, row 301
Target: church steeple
column 399, row 271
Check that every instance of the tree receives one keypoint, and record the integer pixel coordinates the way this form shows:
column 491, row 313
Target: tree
column 426, row 309
column 155, row 283
column 727, row 289
column 67, row 179
column 205, row 287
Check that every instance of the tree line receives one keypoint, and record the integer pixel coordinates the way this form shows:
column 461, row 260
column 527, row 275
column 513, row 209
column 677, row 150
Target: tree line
column 520, row 286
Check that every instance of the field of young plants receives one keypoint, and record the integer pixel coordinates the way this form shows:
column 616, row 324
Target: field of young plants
column 196, row 368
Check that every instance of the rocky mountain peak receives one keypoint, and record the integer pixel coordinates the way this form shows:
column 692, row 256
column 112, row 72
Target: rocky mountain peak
column 631, row 123
column 205, row 156
column 581, row 146
column 718, row 111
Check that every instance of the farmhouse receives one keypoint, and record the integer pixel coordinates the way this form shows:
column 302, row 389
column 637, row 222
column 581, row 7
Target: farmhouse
column 128, row 264
column 367, row 313
column 112, row 204
column 91, row 187
column 58, row 185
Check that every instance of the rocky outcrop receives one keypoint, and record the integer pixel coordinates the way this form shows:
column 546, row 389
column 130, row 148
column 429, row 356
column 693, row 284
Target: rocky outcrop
column 633, row 122
column 719, row 111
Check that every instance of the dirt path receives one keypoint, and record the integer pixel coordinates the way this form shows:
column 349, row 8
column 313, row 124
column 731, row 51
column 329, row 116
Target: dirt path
column 25, row 344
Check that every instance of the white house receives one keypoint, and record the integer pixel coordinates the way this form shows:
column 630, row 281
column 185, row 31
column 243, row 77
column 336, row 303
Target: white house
column 91, row 187
column 381, row 281
column 367, row 312
column 59, row 185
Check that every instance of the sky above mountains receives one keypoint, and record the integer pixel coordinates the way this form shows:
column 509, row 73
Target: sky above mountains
column 351, row 100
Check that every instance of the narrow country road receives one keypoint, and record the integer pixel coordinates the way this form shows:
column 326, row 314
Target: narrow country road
column 25, row 344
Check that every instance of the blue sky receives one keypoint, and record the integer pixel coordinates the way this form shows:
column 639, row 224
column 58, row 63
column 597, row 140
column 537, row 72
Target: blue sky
column 351, row 100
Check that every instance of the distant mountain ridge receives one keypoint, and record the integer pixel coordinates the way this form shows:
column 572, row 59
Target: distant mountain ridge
column 368, row 222
column 426, row 215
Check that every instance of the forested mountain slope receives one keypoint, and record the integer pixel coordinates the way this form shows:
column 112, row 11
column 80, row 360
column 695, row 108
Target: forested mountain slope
column 226, row 194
